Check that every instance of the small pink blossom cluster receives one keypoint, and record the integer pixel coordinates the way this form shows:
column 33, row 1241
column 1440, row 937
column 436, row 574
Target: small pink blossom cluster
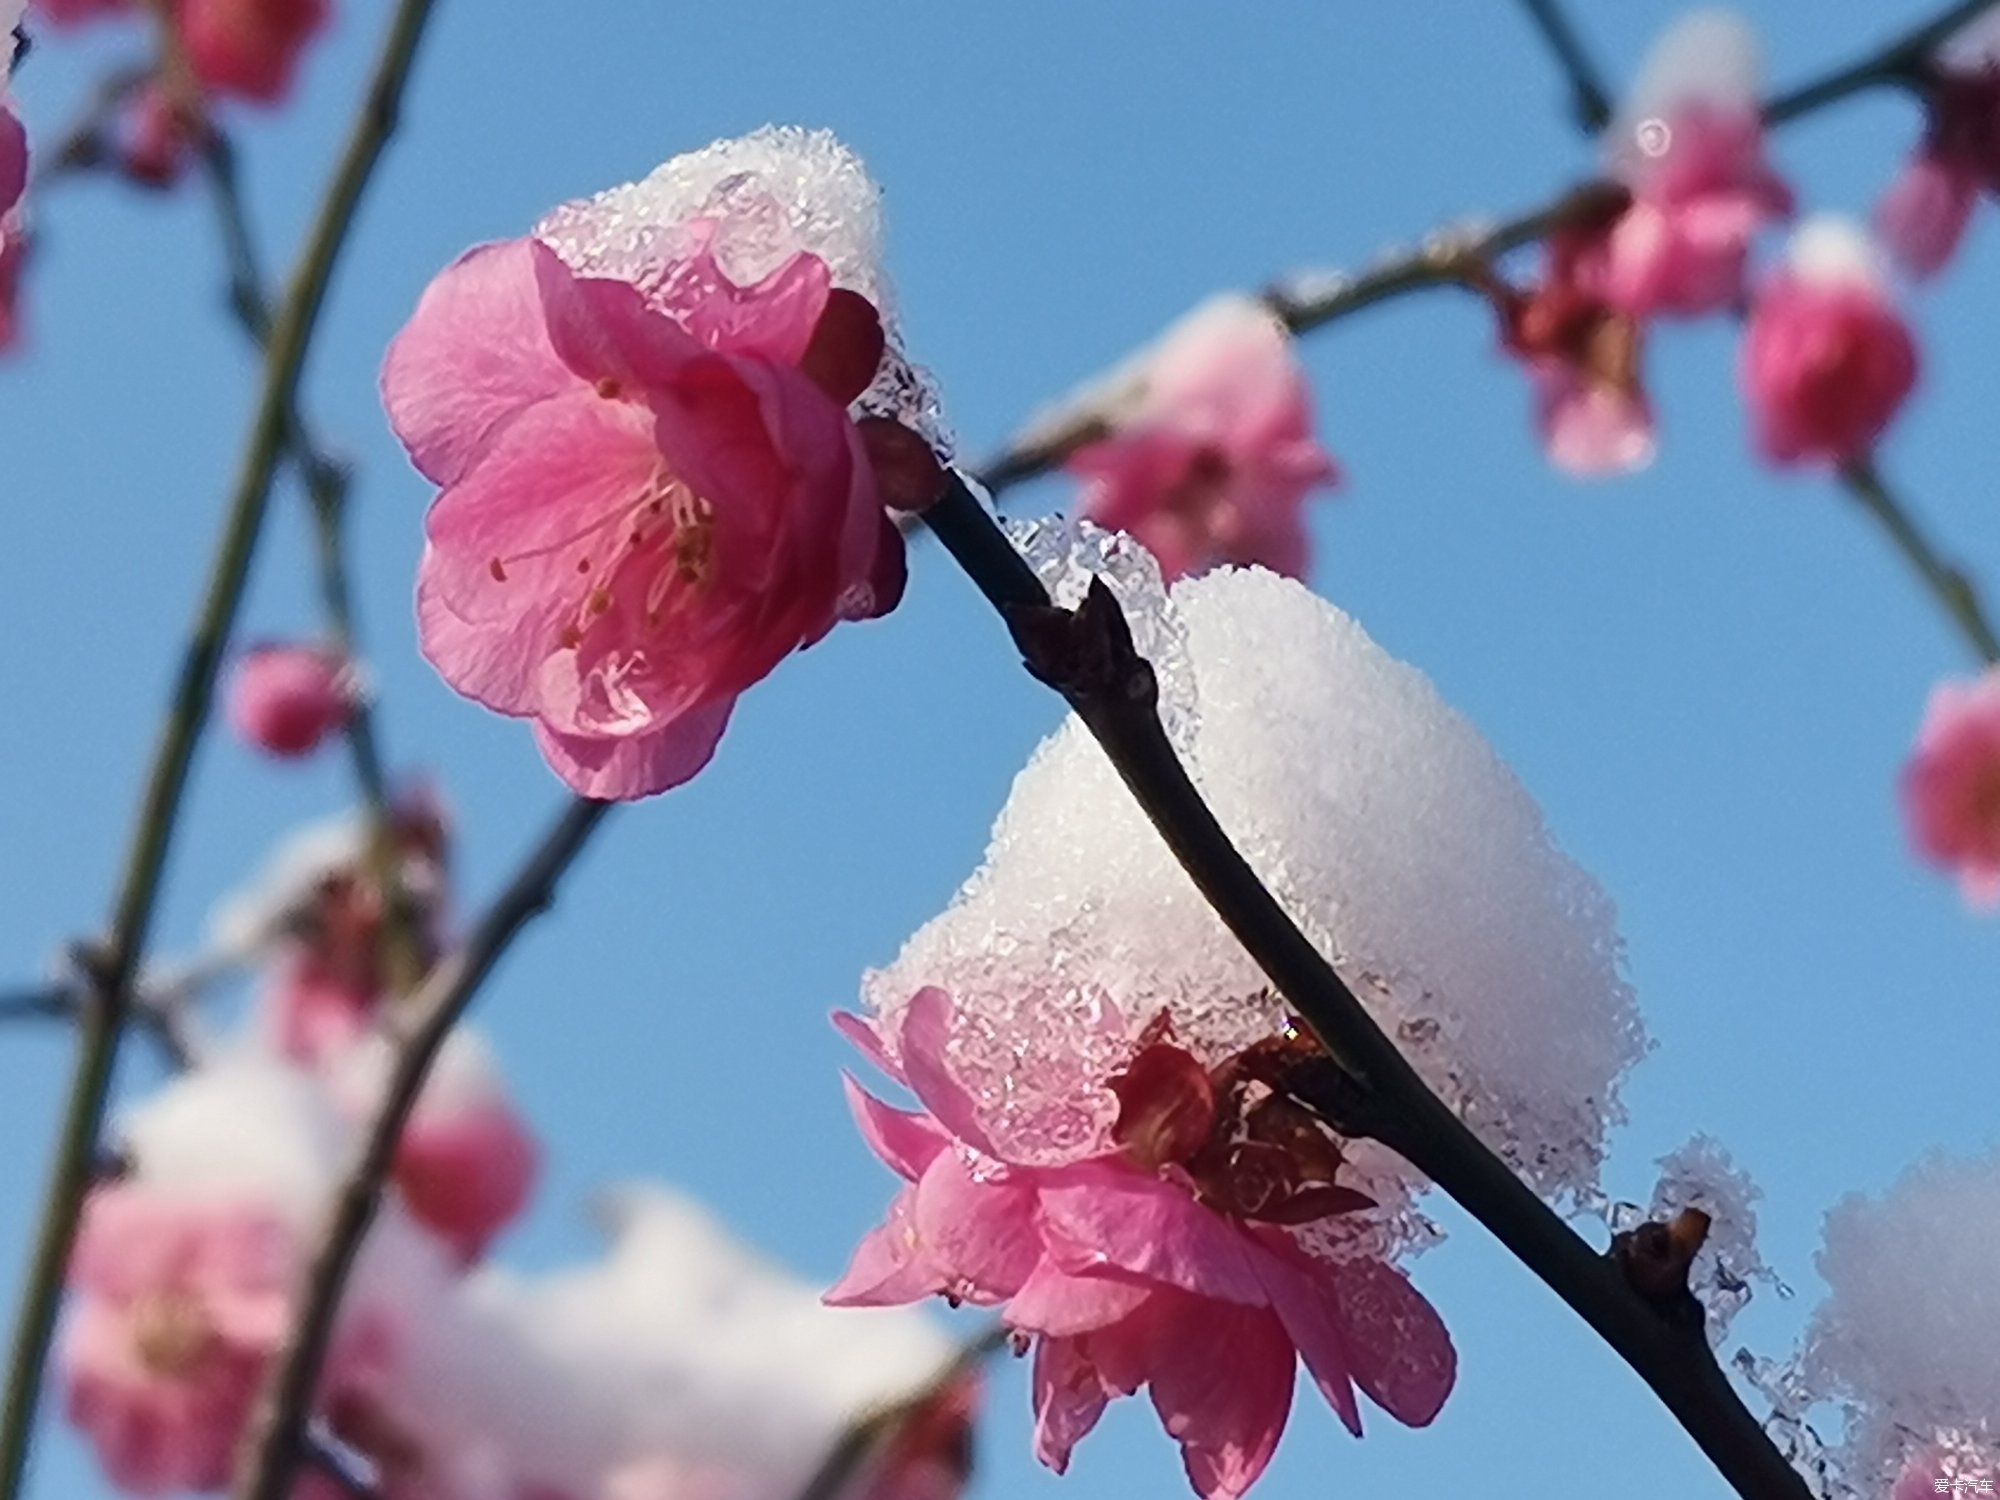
column 240, row 49
column 1169, row 1260
column 653, row 487
column 285, row 699
column 1925, row 215
column 448, row 1378
column 1827, row 361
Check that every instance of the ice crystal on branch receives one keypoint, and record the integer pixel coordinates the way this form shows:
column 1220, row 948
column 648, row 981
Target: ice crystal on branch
column 1387, row 827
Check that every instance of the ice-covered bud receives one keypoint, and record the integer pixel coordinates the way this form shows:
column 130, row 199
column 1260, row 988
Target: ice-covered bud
column 176, row 1309
column 1380, row 819
column 249, row 48
column 1150, row 1263
column 1702, row 1177
column 286, row 699
column 1951, row 786
column 466, row 1164
column 1689, row 143
column 1210, row 453
column 1827, row 360
column 1583, row 355
column 1923, row 217
column 652, row 489
column 1908, row 1339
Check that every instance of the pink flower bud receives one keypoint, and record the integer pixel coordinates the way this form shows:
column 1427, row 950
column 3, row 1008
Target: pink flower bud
column 286, row 700
column 1827, row 361
column 1951, row 786
column 249, row 48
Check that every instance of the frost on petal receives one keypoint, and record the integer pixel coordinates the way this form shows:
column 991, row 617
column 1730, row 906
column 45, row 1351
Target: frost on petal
column 758, row 200
column 1908, row 1339
column 1381, row 819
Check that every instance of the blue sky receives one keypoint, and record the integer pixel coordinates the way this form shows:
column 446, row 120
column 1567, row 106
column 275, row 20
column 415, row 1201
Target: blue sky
column 1708, row 674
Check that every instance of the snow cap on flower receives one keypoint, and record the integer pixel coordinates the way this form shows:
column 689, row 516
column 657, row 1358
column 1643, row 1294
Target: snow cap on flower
column 1827, row 360
column 1210, row 453
column 1908, row 1339
column 770, row 194
column 1951, row 786
column 286, row 699
column 1689, row 143
column 1383, row 822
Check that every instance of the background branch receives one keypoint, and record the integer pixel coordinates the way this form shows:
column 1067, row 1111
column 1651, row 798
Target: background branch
column 115, row 965
column 274, row 1448
column 1087, row 656
column 1589, row 99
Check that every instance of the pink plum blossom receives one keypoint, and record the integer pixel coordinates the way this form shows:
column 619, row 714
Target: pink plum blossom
column 77, row 12
column 1689, row 144
column 1827, row 360
column 286, row 699
column 14, row 249
column 1951, row 786
column 1215, row 457
column 1923, row 217
column 1959, row 1471
column 177, row 1309
column 1167, row 1261
column 644, row 509
column 1583, row 357
column 13, row 138
column 154, row 141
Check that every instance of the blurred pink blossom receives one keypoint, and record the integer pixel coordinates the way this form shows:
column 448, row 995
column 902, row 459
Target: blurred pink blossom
column 1924, row 215
column 1682, row 245
column 641, row 514
column 13, row 155
column 1214, row 458
column 249, row 48
column 177, row 1307
column 466, row 1173
column 1951, row 786
column 1583, row 357
column 1165, row 1262
column 286, row 699
column 1827, row 361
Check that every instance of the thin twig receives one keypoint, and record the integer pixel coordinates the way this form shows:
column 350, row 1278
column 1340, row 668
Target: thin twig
column 1087, row 656
column 327, row 482
column 1307, row 302
column 117, row 965
column 1588, row 96
column 1947, row 583
column 870, row 1433
column 273, row 1451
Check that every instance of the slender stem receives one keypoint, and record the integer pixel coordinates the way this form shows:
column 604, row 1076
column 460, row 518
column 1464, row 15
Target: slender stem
column 115, row 968
column 1119, row 707
column 326, row 483
column 1947, row 582
column 1590, row 99
column 274, row 1451
column 1899, row 62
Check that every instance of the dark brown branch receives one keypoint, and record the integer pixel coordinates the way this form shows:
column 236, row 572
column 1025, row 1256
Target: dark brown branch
column 1899, row 63
column 1087, row 655
column 274, row 1450
column 1589, row 99
column 116, row 965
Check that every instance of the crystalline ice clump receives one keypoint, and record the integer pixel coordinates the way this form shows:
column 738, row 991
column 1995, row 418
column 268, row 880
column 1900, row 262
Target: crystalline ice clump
column 1384, row 823
column 770, row 194
column 1701, row 1175
column 1908, row 1339
column 1067, row 554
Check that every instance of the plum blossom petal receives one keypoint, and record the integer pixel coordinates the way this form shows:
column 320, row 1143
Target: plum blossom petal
column 920, row 1046
column 1100, row 1217
column 1951, row 786
column 888, row 1268
column 1069, row 1399
column 1222, row 1384
column 983, row 1233
column 1923, row 217
column 1057, row 1305
column 907, row 1143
